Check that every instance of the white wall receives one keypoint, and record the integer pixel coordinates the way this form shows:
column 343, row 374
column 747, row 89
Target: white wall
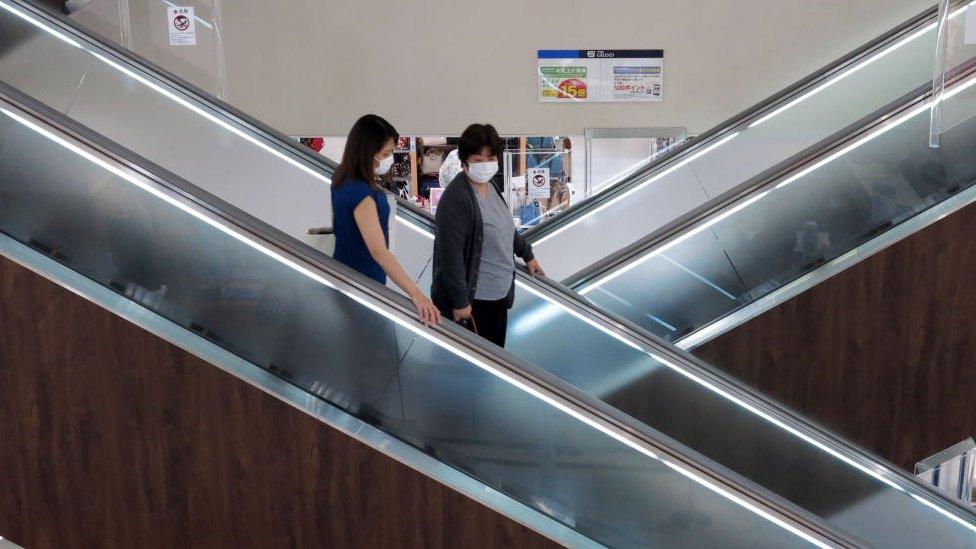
column 310, row 67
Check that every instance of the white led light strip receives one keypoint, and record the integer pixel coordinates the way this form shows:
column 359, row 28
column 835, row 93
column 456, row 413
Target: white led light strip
column 744, row 404
column 411, row 326
column 209, row 116
column 667, row 246
column 38, row 24
column 888, row 126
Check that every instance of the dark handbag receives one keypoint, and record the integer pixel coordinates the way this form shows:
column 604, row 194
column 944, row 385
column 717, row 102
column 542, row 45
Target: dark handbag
column 469, row 324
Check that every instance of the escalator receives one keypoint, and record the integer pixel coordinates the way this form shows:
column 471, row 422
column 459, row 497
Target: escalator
column 86, row 212
column 796, row 224
column 722, row 161
column 225, row 154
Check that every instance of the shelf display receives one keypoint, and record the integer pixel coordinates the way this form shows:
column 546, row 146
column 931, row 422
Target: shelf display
column 418, row 162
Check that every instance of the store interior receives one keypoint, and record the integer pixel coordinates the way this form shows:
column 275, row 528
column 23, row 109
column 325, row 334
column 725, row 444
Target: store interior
column 539, row 176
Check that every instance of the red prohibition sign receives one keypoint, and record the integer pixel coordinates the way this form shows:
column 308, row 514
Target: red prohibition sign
column 181, row 22
column 539, row 180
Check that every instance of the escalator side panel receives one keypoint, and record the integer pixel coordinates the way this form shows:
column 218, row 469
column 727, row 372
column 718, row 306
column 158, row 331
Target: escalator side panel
column 127, row 234
column 880, row 352
column 167, row 451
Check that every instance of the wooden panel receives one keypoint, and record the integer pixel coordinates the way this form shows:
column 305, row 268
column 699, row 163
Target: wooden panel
column 884, row 353
column 112, row 437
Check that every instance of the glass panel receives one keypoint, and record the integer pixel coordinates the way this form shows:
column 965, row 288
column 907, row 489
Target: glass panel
column 253, row 171
column 740, row 153
column 131, row 236
column 772, row 238
column 690, row 408
column 615, row 154
column 194, row 52
column 952, row 471
column 958, row 48
column 102, row 17
column 536, row 183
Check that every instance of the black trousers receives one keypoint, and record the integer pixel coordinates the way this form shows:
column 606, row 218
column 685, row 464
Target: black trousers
column 491, row 319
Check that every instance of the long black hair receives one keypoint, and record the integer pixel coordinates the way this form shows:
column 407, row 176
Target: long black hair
column 366, row 139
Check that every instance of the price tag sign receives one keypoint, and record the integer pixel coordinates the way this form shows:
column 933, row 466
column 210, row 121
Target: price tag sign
column 586, row 76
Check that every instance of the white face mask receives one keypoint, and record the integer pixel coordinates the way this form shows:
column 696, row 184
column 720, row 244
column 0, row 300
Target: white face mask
column 384, row 166
column 482, row 172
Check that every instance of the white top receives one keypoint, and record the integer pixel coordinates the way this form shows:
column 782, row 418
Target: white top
column 449, row 169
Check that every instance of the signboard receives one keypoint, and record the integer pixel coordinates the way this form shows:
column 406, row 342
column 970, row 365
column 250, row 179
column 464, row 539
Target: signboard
column 538, row 181
column 588, row 76
column 182, row 25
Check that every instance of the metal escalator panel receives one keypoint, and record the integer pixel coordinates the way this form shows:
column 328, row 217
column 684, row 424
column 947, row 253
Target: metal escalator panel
column 734, row 153
column 690, row 410
column 703, row 409
column 796, row 221
column 211, row 269
column 169, row 121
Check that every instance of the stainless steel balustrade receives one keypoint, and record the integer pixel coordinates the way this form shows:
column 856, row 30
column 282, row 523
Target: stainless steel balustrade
column 790, row 228
column 211, row 269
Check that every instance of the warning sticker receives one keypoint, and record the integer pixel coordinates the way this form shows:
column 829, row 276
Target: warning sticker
column 538, row 182
column 182, row 26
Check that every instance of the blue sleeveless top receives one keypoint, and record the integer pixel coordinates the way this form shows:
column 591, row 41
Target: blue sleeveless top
column 350, row 248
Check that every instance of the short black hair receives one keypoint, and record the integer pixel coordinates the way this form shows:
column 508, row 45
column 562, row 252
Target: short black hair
column 475, row 138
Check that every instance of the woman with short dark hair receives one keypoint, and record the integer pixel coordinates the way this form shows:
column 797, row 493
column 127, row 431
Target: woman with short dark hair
column 476, row 241
column 361, row 212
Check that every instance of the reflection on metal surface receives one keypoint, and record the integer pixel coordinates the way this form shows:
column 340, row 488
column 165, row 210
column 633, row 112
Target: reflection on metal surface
column 422, row 345
column 741, row 248
column 826, row 271
column 57, row 34
column 952, row 471
column 638, row 187
column 286, row 392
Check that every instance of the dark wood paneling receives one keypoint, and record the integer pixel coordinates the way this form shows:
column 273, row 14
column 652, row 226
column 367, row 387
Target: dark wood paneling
column 111, row 437
column 883, row 353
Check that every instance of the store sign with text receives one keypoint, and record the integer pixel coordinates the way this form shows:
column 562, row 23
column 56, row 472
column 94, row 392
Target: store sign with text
column 594, row 76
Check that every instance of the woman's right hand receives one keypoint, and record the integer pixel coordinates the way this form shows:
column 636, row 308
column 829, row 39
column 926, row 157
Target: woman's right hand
column 426, row 309
column 462, row 314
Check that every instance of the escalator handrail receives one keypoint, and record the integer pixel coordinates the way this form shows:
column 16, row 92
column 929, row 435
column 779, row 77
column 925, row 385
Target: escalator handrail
column 733, row 388
column 729, row 126
column 526, row 377
column 217, row 106
column 564, row 294
column 262, row 231
column 762, row 181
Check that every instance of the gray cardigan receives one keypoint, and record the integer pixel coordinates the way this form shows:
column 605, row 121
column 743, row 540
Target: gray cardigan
column 457, row 248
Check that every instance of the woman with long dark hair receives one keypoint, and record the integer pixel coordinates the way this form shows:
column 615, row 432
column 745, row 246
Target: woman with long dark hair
column 361, row 212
